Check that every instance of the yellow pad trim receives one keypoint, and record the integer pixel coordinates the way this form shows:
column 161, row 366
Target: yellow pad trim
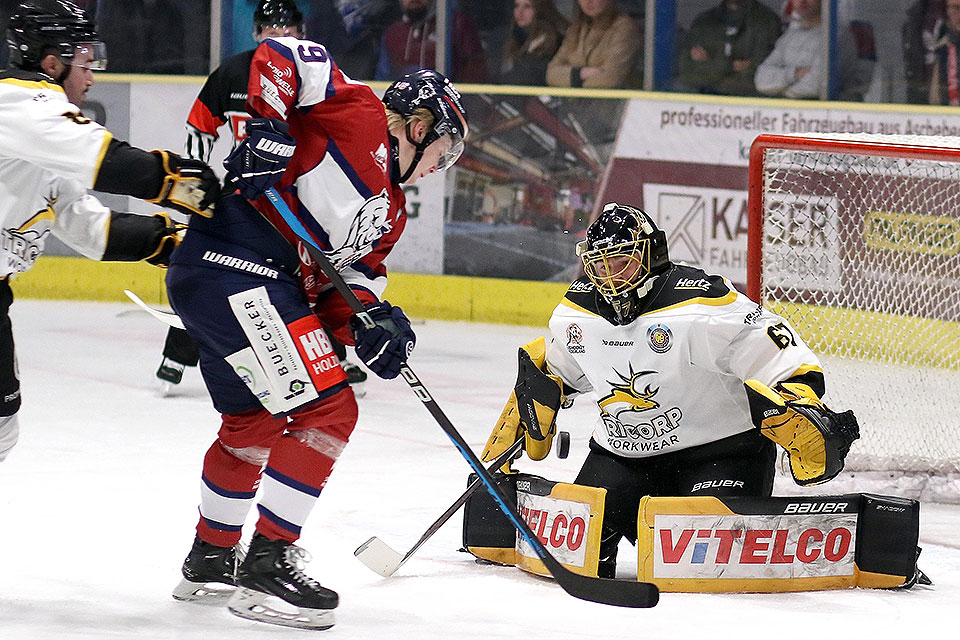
column 593, row 498
column 771, row 577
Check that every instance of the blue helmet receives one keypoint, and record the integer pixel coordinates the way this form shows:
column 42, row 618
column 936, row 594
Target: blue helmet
column 42, row 27
column 428, row 89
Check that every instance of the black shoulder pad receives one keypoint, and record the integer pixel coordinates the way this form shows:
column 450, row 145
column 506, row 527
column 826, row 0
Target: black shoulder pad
column 683, row 283
column 583, row 293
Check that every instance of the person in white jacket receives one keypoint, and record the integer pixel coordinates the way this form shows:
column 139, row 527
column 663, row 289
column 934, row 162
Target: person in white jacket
column 798, row 65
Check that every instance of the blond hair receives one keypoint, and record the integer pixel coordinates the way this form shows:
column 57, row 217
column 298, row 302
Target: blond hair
column 395, row 120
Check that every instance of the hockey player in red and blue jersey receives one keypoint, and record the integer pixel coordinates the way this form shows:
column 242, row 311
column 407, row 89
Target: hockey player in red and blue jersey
column 257, row 305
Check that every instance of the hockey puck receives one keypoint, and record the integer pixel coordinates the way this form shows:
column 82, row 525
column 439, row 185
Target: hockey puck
column 563, row 444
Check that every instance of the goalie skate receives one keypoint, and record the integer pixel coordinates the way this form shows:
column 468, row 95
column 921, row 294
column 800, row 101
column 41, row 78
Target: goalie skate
column 273, row 588
column 209, row 574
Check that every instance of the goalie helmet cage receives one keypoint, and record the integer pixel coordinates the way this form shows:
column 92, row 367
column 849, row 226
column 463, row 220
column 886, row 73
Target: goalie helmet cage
column 855, row 239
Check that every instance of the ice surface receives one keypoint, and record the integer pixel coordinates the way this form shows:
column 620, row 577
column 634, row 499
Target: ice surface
column 98, row 504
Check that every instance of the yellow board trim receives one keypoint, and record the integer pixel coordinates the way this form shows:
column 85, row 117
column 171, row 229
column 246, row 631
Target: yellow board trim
column 874, row 335
column 491, row 300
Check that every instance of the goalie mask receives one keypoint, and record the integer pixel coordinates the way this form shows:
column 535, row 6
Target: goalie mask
column 622, row 255
column 39, row 28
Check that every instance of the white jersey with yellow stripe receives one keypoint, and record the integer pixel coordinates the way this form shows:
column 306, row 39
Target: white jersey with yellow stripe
column 672, row 378
column 49, row 155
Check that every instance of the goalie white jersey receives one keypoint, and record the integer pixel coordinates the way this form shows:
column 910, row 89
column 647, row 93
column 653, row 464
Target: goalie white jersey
column 672, row 378
column 49, row 155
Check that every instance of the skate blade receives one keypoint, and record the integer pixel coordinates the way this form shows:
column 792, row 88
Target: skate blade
column 263, row 607
column 206, row 593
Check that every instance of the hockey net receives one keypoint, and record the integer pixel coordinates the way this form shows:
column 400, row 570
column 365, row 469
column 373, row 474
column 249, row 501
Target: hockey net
column 856, row 241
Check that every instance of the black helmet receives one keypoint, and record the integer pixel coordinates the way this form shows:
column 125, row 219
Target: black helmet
column 277, row 13
column 41, row 27
column 623, row 252
column 427, row 89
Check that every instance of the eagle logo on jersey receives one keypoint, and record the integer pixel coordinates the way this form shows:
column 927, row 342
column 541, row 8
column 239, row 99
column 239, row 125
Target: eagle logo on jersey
column 369, row 225
column 627, row 394
column 624, row 413
column 25, row 243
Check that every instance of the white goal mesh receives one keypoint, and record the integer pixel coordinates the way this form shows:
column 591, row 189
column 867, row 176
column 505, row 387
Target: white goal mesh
column 856, row 241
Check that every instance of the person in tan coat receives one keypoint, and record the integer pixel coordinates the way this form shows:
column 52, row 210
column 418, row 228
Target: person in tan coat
column 600, row 49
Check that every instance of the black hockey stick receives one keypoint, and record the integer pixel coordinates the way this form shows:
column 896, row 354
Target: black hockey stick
column 621, row 593
column 379, row 557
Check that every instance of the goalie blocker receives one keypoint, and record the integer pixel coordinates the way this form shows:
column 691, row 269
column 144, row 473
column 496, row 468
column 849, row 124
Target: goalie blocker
column 707, row 544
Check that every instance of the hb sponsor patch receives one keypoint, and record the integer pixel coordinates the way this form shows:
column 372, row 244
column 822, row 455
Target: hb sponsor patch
column 317, row 352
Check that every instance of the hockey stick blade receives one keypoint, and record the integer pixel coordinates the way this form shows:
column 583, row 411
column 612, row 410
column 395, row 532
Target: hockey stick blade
column 380, row 558
column 622, row 593
column 165, row 317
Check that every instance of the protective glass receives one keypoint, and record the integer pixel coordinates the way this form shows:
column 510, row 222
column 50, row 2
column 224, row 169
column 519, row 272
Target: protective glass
column 616, row 269
column 450, row 157
column 90, row 55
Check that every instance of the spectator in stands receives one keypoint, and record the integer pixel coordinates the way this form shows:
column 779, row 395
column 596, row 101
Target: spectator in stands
column 534, row 39
column 351, row 30
column 945, row 78
column 797, row 67
column 409, row 44
column 600, row 49
column 724, row 47
column 493, row 19
column 926, row 24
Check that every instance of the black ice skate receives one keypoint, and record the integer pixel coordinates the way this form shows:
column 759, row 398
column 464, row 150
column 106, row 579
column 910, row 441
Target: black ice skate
column 355, row 377
column 273, row 588
column 170, row 374
column 209, row 573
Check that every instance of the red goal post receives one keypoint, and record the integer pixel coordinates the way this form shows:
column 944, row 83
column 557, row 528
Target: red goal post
column 855, row 239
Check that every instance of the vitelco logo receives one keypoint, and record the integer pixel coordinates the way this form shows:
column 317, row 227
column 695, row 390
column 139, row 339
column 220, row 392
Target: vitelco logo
column 754, row 546
column 556, row 530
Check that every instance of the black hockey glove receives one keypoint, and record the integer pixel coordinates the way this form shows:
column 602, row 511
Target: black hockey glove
column 189, row 186
column 387, row 345
column 173, row 234
column 259, row 161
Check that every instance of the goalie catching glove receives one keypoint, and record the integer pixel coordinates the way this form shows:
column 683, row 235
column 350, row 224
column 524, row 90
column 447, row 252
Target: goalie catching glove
column 531, row 410
column 816, row 439
column 189, row 186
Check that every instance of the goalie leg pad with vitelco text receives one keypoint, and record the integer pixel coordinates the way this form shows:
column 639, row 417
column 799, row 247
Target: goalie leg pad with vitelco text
column 742, row 544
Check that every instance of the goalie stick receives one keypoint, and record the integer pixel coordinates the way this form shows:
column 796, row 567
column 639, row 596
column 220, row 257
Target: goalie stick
column 622, row 593
column 380, row 558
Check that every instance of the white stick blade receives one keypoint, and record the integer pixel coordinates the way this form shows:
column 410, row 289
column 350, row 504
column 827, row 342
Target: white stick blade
column 165, row 317
column 379, row 557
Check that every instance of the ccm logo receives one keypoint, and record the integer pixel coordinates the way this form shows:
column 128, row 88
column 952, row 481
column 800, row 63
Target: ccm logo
column 562, row 531
column 816, row 507
column 759, row 546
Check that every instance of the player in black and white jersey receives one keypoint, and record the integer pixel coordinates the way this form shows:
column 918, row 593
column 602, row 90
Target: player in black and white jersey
column 50, row 154
column 221, row 102
column 694, row 382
